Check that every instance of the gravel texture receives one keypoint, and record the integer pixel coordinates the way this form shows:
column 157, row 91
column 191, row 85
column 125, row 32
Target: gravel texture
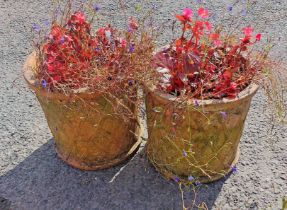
column 33, row 177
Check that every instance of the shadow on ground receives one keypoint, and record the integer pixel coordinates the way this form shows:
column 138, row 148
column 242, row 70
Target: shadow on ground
column 43, row 181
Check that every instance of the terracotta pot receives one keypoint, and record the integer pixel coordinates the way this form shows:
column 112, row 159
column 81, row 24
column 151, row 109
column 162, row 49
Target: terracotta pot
column 199, row 140
column 87, row 133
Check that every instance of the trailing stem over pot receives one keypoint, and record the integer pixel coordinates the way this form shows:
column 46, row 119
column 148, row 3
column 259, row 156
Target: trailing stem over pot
column 73, row 57
column 199, row 96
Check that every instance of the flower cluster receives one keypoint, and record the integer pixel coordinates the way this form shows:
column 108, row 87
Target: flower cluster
column 73, row 58
column 204, row 63
column 68, row 51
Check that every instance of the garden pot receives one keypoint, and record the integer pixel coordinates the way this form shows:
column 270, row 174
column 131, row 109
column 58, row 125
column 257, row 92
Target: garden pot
column 87, row 133
column 195, row 140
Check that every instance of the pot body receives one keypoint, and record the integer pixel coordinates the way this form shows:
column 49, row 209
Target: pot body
column 195, row 139
column 87, row 132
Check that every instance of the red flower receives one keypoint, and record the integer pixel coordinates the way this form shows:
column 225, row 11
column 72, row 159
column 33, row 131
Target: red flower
column 214, row 36
column 203, row 12
column 123, row 43
column 233, row 86
column 101, row 31
column 56, row 78
column 56, row 32
column 217, row 43
column 50, row 59
column 187, row 14
column 51, row 68
column 80, row 17
column 208, row 26
column 248, row 31
column 258, row 37
column 133, row 24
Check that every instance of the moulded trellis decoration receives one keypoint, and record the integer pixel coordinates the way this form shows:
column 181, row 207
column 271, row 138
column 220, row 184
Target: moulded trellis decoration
column 199, row 94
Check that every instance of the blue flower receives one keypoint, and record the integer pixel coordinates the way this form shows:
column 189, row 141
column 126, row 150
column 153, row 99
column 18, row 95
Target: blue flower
column 244, row 12
column 44, row 83
column 234, row 170
column 96, row 7
column 184, row 153
column 36, row 27
column 190, row 178
column 198, row 183
column 97, row 49
column 62, row 40
column 46, row 23
column 131, row 82
column 224, row 115
column 154, row 6
column 196, row 103
column 230, row 8
column 130, row 30
column 132, row 48
column 165, row 50
column 176, row 179
column 59, row 11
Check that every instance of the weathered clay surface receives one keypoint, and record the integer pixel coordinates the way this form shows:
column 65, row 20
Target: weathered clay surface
column 88, row 133
column 200, row 141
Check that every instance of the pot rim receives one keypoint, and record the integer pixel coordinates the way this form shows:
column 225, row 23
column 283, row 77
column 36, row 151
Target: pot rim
column 249, row 91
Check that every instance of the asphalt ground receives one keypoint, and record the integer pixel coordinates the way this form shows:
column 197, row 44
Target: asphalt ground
column 33, row 177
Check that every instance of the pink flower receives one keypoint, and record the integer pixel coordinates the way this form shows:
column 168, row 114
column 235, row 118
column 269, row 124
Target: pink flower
column 258, row 37
column 203, row 12
column 217, row 43
column 101, row 31
column 187, row 13
column 248, row 31
column 80, row 16
column 208, row 26
column 133, row 24
column 233, row 86
column 214, row 36
column 123, row 43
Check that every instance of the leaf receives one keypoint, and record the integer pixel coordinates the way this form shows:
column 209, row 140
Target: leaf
column 227, row 75
column 180, row 18
column 178, row 42
column 138, row 8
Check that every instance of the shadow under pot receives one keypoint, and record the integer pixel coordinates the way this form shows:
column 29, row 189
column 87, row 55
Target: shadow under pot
column 195, row 141
column 87, row 132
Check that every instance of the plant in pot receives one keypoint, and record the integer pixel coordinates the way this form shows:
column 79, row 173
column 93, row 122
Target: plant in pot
column 86, row 83
column 199, row 96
